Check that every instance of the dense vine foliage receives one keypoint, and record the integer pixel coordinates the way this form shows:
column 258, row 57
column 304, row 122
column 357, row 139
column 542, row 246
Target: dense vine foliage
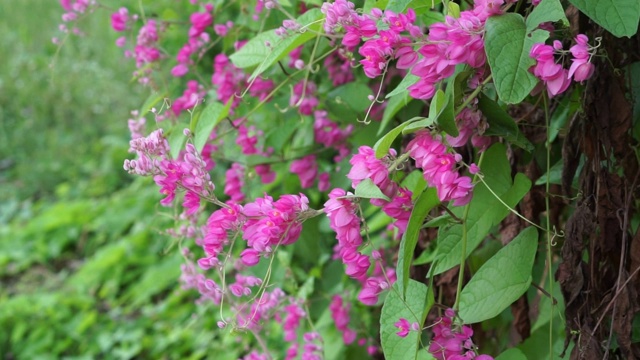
column 356, row 179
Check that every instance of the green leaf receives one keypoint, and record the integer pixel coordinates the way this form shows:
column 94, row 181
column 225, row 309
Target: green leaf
column 507, row 45
column 485, row 209
column 427, row 201
column 565, row 110
column 446, row 118
column 393, row 106
column 151, row 101
column 619, row 17
column 370, row 4
column 417, row 125
column 384, row 143
column 501, row 280
column 210, row 117
column 397, row 6
column 176, row 140
column 255, row 52
column 415, row 308
column 501, row 124
column 353, row 95
column 408, row 80
column 546, row 11
column 368, row 190
column 512, row 354
column 453, row 9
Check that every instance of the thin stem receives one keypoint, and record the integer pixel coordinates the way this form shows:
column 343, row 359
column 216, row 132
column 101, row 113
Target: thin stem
column 463, row 257
column 548, row 223
column 473, row 95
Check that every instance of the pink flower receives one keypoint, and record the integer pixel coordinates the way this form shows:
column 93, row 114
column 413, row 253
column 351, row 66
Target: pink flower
column 403, row 325
column 438, row 168
column 306, row 169
column 234, row 182
column 119, row 19
column 199, row 22
column 453, row 342
column 250, row 257
column 266, row 174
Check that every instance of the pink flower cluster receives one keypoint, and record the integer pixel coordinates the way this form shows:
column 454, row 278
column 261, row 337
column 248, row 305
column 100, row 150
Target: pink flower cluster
column 220, row 223
column 306, row 168
column 264, row 223
column 272, row 223
column 391, row 44
column 404, row 327
column 344, row 220
column 262, row 309
column 399, row 209
column 365, row 165
column 192, row 279
column 452, row 342
column 439, row 169
column 73, row 9
column 229, row 80
column 146, row 50
column 293, row 315
column 304, row 97
column 234, row 180
column 340, row 315
column 380, row 45
column 189, row 173
column 339, row 68
column 556, row 78
column 150, row 151
column 377, row 282
column 470, row 124
column 120, row 20
column 193, row 94
column 456, row 41
column 330, row 135
column 198, row 38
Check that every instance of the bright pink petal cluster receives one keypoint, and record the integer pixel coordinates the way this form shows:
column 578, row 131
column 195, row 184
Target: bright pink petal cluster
column 304, row 97
column 340, row 315
column 193, row 94
column 399, row 209
column 271, row 223
column 339, row 68
column 555, row 77
column 456, row 41
column 330, row 135
column 342, row 213
column 404, row 327
column 470, row 124
column 581, row 68
column 234, row 182
column 439, row 168
column 365, row 165
column 150, row 151
column 229, row 80
column 219, row 225
column 306, row 168
column 192, row 279
column 453, row 342
column 120, row 19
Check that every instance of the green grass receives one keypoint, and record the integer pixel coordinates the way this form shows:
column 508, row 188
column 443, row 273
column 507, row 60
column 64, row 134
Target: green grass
column 62, row 118
column 84, row 271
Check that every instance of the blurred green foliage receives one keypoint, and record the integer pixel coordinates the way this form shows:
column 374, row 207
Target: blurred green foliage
column 84, row 270
column 56, row 124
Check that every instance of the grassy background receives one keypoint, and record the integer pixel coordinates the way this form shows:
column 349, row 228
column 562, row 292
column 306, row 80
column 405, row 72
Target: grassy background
column 84, row 270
